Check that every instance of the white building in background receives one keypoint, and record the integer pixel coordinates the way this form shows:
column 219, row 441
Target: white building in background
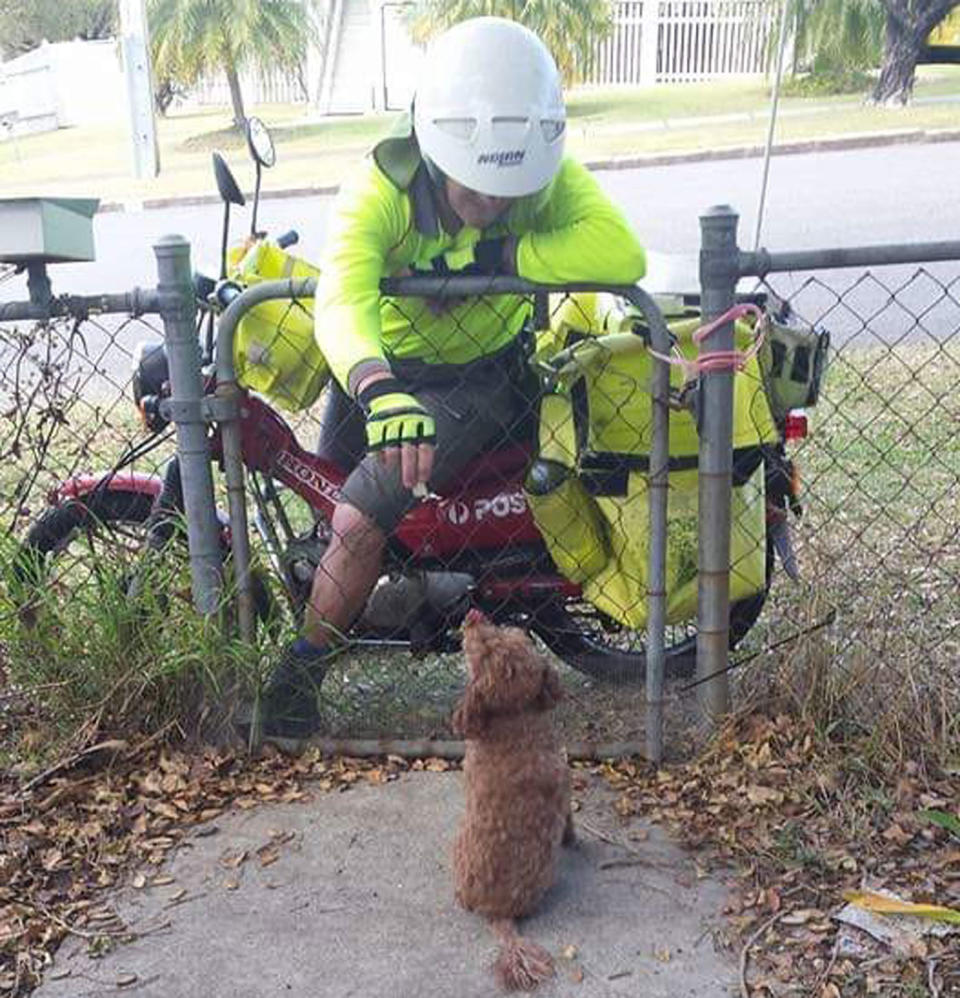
column 371, row 62
column 60, row 85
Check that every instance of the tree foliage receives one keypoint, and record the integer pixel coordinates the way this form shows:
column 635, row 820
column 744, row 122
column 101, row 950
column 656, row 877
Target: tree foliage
column 192, row 37
column 24, row 24
column 569, row 28
column 837, row 35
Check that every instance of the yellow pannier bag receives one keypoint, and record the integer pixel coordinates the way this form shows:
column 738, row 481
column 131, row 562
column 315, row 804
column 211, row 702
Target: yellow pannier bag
column 611, row 409
column 620, row 588
column 274, row 349
column 566, row 515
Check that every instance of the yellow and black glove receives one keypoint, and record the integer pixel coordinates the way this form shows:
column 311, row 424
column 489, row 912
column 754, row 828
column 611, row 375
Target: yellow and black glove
column 394, row 417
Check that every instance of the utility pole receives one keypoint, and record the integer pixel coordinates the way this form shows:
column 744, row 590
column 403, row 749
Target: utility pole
column 135, row 35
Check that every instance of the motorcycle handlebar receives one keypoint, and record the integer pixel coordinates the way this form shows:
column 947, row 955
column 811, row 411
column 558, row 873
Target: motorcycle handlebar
column 288, row 238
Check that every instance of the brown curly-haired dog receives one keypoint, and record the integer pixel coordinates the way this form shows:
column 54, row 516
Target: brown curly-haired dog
column 517, row 789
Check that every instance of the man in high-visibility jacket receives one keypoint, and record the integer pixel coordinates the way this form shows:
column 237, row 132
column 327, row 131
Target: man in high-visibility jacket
column 478, row 184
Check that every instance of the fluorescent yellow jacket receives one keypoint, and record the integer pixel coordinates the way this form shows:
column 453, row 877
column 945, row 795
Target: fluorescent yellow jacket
column 384, row 222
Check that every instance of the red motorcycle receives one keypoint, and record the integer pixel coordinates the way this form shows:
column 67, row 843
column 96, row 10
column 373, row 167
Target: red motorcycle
column 474, row 545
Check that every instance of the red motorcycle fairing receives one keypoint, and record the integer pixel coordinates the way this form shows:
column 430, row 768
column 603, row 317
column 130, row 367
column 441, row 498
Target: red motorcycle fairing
column 121, row 481
column 484, row 509
column 140, row 482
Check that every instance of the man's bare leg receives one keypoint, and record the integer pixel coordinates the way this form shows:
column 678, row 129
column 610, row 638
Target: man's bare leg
column 343, row 581
column 345, row 576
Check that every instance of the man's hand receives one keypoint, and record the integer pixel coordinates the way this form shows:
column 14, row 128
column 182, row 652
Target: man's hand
column 399, row 429
column 485, row 258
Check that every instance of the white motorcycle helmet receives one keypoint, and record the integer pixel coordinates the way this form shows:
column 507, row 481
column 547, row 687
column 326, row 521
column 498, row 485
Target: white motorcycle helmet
column 489, row 108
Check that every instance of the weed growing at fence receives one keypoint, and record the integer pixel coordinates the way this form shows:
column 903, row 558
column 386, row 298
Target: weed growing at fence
column 91, row 661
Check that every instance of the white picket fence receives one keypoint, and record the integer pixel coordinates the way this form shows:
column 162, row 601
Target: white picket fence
column 678, row 41
column 257, row 88
column 702, row 39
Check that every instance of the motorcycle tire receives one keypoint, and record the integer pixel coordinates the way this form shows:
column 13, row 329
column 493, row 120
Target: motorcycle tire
column 108, row 520
column 587, row 642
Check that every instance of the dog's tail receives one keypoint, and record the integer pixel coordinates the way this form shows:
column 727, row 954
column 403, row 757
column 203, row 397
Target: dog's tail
column 522, row 964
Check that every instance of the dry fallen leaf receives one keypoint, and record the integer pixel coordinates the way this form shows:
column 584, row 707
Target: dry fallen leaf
column 883, row 904
column 801, row 916
column 233, row 860
column 267, row 856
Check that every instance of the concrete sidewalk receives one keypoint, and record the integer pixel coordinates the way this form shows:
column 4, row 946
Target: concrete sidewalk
column 358, row 902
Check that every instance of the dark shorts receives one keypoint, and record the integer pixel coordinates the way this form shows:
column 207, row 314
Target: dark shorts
column 474, row 406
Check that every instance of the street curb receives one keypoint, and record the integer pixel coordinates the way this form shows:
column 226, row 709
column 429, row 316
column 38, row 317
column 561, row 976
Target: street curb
column 838, row 143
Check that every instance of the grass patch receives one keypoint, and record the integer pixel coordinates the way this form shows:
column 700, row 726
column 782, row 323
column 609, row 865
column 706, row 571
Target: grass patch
column 828, row 84
column 93, row 663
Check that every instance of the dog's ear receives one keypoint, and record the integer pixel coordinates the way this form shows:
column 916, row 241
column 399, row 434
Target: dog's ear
column 551, row 692
column 470, row 716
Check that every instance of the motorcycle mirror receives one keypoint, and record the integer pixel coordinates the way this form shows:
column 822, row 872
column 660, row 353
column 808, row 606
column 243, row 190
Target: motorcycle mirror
column 260, row 143
column 230, row 193
column 262, row 150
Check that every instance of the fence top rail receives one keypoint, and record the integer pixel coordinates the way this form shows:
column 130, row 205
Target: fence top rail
column 763, row 262
column 140, row 301
column 427, row 287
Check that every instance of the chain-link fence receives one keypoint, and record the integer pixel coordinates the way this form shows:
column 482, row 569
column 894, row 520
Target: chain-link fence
column 878, row 542
column 508, row 525
column 539, row 510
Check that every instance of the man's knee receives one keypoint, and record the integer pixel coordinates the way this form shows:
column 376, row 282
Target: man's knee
column 353, row 530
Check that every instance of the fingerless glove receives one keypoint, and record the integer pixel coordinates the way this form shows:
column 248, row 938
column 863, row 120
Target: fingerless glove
column 394, row 417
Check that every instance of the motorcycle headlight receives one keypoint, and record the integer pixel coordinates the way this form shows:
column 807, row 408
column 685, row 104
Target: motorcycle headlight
column 150, row 370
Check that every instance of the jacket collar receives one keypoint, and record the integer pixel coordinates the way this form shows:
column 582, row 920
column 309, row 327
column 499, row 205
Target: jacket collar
column 399, row 159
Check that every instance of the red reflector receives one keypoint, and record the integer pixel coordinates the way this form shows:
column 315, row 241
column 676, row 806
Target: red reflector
column 795, row 426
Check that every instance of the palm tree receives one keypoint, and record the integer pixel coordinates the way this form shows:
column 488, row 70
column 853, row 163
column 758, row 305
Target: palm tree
column 192, row 37
column 569, row 28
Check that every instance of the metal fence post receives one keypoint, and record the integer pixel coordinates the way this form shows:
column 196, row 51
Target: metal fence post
column 178, row 310
column 659, row 485
column 719, row 270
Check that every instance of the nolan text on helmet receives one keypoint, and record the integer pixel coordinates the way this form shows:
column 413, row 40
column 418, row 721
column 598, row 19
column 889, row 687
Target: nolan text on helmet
column 502, row 157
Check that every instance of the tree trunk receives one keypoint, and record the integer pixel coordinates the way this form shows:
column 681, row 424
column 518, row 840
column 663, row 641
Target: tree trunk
column 908, row 25
column 900, row 54
column 236, row 97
